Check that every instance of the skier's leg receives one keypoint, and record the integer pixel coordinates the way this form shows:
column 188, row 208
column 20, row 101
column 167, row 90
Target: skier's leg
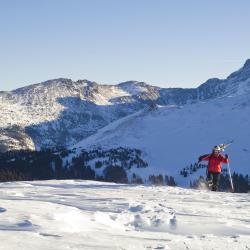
column 216, row 178
column 209, row 178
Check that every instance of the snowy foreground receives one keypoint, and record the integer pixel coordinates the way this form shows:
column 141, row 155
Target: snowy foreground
column 93, row 215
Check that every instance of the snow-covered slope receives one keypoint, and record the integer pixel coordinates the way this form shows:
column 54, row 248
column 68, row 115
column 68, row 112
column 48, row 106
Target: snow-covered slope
column 172, row 137
column 61, row 215
column 62, row 112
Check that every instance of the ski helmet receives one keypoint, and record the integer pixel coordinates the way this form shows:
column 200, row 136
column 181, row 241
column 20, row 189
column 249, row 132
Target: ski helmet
column 217, row 148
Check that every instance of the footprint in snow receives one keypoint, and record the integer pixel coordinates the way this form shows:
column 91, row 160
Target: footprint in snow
column 2, row 210
column 136, row 208
column 25, row 223
column 235, row 236
column 49, row 235
column 173, row 222
column 158, row 247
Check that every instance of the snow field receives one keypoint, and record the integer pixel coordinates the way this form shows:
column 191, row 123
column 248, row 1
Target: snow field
column 93, row 215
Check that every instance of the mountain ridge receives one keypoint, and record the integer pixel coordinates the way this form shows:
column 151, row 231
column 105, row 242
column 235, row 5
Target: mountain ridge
column 61, row 112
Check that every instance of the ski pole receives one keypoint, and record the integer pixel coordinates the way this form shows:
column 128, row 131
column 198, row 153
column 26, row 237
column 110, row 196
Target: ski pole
column 230, row 177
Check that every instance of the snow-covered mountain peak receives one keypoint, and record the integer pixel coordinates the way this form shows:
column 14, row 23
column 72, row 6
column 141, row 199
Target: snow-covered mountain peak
column 132, row 82
column 45, row 84
column 62, row 110
column 211, row 83
column 65, row 111
column 242, row 74
column 247, row 64
column 237, row 83
column 134, row 87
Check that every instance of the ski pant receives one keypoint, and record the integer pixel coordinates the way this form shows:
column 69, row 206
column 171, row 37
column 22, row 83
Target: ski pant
column 214, row 179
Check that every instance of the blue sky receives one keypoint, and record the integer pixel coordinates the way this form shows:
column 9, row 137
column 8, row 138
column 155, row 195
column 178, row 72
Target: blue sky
column 166, row 43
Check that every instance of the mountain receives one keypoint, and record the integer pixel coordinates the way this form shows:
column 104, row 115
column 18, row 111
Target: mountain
column 62, row 112
column 171, row 137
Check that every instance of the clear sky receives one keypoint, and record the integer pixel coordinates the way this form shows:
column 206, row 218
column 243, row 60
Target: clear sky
column 166, row 43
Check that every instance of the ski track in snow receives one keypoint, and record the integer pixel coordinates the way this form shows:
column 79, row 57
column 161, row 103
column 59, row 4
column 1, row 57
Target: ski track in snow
column 73, row 214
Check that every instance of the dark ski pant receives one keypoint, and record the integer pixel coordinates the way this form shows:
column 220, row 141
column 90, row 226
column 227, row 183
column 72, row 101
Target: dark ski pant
column 214, row 179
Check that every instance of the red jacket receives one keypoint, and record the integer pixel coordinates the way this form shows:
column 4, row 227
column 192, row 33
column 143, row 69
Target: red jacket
column 214, row 162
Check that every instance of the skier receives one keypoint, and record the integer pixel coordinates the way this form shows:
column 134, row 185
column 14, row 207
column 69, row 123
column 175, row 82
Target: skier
column 214, row 166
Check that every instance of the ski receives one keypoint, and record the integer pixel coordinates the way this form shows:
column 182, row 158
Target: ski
column 223, row 146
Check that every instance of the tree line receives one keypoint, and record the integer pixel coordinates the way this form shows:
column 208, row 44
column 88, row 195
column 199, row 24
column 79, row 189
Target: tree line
column 110, row 165
column 53, row 164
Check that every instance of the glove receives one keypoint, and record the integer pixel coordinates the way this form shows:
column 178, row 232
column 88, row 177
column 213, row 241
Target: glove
column 226, row 156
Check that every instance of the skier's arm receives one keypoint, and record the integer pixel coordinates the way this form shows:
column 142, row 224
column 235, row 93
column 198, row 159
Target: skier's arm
column 204, row 157
column 224, row 159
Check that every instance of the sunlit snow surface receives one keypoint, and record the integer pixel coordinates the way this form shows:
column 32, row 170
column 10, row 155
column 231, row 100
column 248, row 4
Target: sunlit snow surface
column 93, row 215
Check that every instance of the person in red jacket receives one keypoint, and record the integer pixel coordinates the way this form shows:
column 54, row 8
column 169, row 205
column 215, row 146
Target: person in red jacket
column 214, row 166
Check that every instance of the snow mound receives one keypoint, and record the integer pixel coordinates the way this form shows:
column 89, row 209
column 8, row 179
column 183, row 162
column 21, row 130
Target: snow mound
column 153, row 217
